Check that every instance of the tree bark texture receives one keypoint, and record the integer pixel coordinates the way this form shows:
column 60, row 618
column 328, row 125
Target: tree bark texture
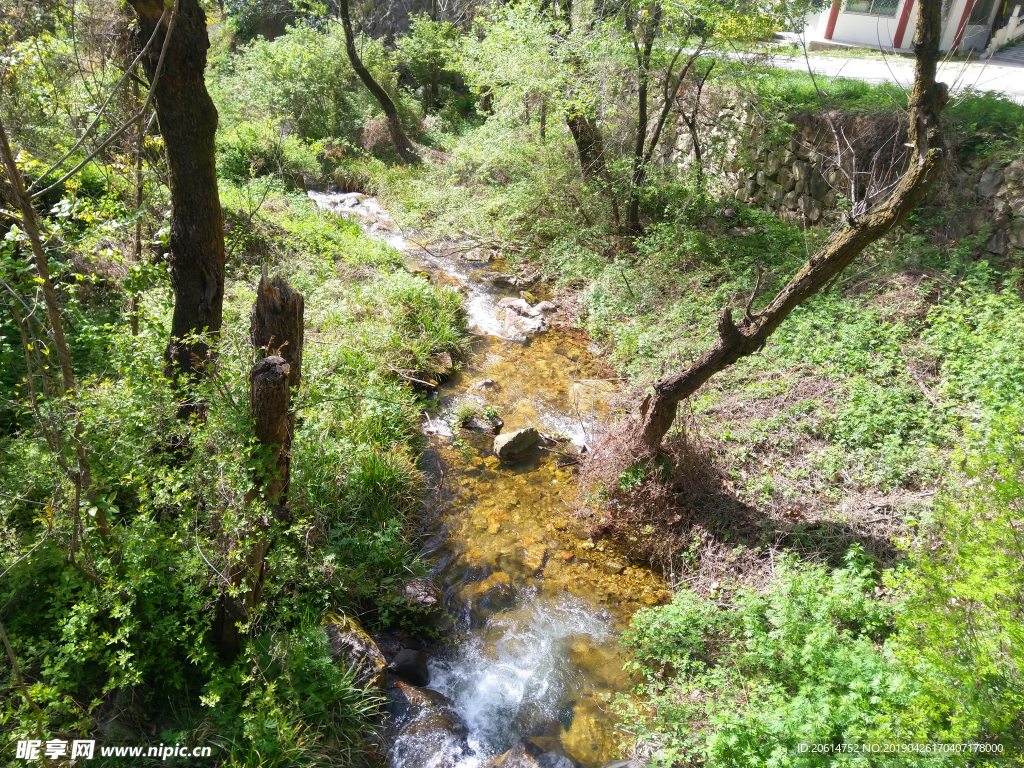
column 270, row 407
column 643, row 77
column 188, row 123
column 405, row 148
column 277, row 323
column 658, row 410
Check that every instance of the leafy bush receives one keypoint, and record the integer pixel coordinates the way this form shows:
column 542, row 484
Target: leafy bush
column 122, row 637
column 304, row 78
column 255, row 149
column 960, row 624
column 745, row 685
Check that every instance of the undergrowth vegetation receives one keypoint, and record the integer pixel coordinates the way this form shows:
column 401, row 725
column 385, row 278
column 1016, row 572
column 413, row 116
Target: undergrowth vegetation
column 130, row 628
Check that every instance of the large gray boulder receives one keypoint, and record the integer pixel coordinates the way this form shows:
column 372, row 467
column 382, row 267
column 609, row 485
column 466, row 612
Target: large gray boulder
column 515, row 445
column 990, row 181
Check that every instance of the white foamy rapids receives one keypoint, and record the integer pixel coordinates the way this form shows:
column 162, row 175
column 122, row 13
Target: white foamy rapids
column 514, row 675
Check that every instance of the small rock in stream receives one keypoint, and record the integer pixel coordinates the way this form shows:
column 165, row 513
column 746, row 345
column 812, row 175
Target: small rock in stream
column 488, row 385
column 481, row 424
column 521, row 318
column 614, row 567
column 522, row 755
column 554, row 760
column 431, row 732
column 411, row 666
column 515, row 445
column 420, row 593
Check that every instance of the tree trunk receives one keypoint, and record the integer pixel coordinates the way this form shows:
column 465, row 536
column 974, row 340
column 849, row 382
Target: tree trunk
column 188, row 123
column 269, row 406
column 658, row 411
column 405, row 147
column 643, row 77
column 590, row 149
column 276, row 325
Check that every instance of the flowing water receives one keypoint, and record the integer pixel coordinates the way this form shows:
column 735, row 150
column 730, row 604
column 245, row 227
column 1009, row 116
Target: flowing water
column 537, row 608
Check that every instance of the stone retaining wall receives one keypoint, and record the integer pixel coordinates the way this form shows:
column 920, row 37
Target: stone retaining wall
column 798, row 175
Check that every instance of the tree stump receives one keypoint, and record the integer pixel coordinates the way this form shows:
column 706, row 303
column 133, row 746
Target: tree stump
column 270, row 407
column 276, row 325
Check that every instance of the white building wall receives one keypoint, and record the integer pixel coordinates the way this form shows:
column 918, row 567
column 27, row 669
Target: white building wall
column 865, row 29
column 879, row 31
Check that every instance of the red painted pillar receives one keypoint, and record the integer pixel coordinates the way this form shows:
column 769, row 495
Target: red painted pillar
column 833, row 16
column 901, row 28
column 963, row 24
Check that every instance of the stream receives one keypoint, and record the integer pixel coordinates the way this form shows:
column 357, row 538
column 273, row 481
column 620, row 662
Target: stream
column 536, row 607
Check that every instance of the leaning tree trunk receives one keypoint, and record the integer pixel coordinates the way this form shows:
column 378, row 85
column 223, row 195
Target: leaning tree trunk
column 188, row 122
column 402, row 144
column 657, row 412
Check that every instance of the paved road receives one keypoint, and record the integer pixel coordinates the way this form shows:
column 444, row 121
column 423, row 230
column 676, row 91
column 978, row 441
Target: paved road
column 1008, row 80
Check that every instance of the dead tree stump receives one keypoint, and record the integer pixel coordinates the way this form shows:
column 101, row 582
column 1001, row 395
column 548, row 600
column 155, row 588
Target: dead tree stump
column 270, row 407
column 277, row 323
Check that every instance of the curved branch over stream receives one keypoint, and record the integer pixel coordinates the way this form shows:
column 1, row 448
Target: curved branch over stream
column 658, row 410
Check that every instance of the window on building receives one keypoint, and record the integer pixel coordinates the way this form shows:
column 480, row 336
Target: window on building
column 981, row 12
column 873, row 7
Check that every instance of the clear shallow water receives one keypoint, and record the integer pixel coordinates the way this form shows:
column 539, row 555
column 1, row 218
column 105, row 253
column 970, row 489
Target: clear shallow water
column 534, row 653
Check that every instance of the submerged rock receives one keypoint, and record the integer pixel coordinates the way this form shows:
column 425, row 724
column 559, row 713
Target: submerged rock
column 430, row 730
column 515, row 445
column 522, row 755
column 489, row 385
column 554, row 760
column 349, row 644
column 411, row 666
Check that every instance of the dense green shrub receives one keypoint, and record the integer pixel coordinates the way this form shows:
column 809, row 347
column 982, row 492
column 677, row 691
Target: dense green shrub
column 304, row 78
column 960, row 623
column 256, row 149
column 131, row 645
column 744, row 685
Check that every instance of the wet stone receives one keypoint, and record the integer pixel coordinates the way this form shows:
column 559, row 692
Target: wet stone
column 523, row 754
column 420, row 593
column 411, row 666
column 554, row 760
column 517, row 444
